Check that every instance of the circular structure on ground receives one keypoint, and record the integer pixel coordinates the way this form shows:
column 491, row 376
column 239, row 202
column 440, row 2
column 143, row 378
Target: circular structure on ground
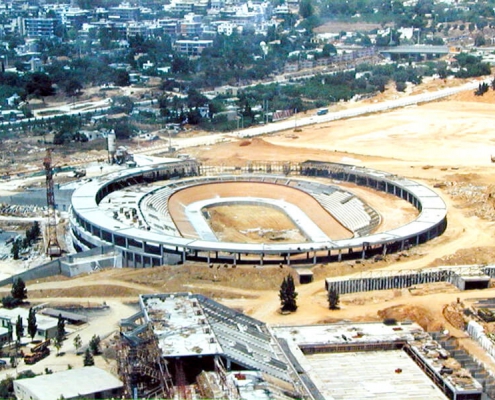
column 137, row 220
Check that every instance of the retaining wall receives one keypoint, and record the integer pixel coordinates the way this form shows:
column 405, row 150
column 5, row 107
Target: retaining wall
column 72, row 265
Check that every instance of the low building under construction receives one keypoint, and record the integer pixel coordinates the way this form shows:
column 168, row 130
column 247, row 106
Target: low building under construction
column 187, row 346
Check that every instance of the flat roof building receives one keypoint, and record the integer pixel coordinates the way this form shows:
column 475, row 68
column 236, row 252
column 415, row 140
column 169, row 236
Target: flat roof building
column 87, row 382
column 199, row 342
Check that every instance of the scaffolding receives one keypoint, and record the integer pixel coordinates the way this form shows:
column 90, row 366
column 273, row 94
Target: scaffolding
column 142, row 369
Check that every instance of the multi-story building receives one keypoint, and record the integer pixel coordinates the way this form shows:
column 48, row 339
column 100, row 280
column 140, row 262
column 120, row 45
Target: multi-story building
column 192, row 47
column 182, row 7
column 170, row 26
column 124, row 12
column 75, row 18
column 191, row 26
column 39, row 27
column 146, row 30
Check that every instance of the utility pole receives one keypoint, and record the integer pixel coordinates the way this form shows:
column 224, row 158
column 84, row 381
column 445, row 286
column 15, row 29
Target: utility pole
column 53, row 248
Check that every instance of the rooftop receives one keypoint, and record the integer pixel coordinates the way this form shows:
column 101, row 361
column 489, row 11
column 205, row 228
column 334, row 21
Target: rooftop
column 392, row 348
column 72, row 383
column 180, row 326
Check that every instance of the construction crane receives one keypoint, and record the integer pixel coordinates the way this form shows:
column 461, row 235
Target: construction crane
column 53, row 248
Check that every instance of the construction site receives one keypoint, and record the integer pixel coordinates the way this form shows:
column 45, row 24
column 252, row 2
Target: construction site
column 187, row 346
column 407, row 244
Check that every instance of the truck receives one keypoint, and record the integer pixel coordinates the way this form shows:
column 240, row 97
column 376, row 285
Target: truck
column 38, row 352
column 322, row 111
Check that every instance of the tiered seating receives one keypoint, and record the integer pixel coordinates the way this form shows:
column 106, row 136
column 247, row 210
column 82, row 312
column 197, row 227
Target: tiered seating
column 155, row 209
column 347, row 209
column 344, row 206
column 244, row 340
column 126, row 205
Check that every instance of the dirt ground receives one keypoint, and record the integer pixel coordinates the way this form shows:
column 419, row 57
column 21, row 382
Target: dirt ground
column 446, row 145
column 304, row 201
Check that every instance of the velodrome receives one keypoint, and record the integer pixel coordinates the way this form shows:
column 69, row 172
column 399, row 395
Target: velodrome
column 145, row 245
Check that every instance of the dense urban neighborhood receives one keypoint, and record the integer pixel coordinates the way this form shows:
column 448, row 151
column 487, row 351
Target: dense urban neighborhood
column 225, row 64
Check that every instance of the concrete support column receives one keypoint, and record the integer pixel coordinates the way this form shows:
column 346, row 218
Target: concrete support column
column 384, row 250
column 363, row 253
column 314, row 258
column 339, row 257
column 261, row 259
column 235, row 258
column 288, row 258
column 208, row 258
column 184, row 255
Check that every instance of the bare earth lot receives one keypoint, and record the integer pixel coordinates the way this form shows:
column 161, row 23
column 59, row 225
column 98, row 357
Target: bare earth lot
column 446, row 145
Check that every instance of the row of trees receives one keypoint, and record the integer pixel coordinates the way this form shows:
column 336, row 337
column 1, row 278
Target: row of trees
column 288, row 296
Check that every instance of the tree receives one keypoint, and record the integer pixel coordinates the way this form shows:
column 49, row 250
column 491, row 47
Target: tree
column 19, row 291
column 305, row 8
column 88, row 358
column 32, row 325
column 479, row 40
column 33, row 232
column 60, row 336
column 333, row 299
column 9, row 302
column 72, row 87
column 123, row 130
column 58, row 343
column 77, row 343
column 122, row 104
column 121, row 78
column 19, row 329
column 60, row 328
column 94, row 345
column 288, row 294
column 16, row 249
column 39, row 84
column 328, row 50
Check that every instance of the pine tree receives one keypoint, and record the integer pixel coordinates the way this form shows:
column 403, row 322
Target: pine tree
column 15, row 249
column 32, row 325
column 94, row 345
column 288, row 294
column 88, row 358
column 19, row 291
column 60, row 328
column 35, row 230
column 333, row 299
column 19, row 329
